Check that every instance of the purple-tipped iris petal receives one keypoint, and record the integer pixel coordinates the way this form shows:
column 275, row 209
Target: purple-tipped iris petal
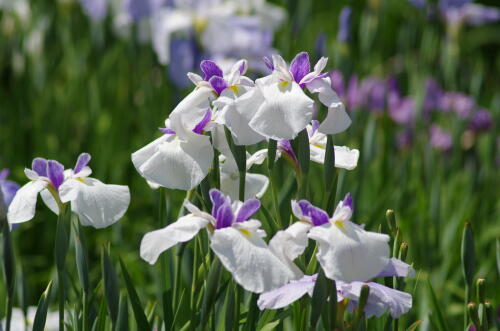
column 269, row 64
column 396, row 268
column 39, row 165
column 4, row 173
column 9, row 189
column 218, row 84
column 300, row 66
column 286, row 147
column 204, row 121
column 225, row 216
column 217, row 199
column 166, row 130
column 315, row 126
column 82, row 161
column 304, row 207
column 243, row 67
column 247, row 209
column 55, row 172
column 210, row 69
column 348, row 201
column 318, row 216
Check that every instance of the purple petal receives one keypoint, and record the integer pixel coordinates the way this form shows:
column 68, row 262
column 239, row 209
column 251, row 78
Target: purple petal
column 440, row 139
column 218, row 84
column 225, row 216
column 166, row 130
column 396, row 268
column 55, row 172
column 268, row 63
column 39, row 165
column 481, row 121
column 218, row 199
column 96, row 9
column 344, row 32
column 9, row 189
column 315, row 126
column 82, row 161
column 4, row 173
column 318, row 216
column 304, row 207
column 204, row 121
column 247, row 209
column 348, row 201
column 285, row 147
column 210, row 69
column 300, row 66
column 243, row 67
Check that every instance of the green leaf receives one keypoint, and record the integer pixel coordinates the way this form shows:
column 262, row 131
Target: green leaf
column 8, row 259
column 436, row 308
column 111, row 291
column 211, row 290
column 414, row 326
column 468, row 255
column 41, row 311
column 270, row 326
column 319, row 302
column 140, row 317
column 81, row 258
column 498, row 255
column 122, row 322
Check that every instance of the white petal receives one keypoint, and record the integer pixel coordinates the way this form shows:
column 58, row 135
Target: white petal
column 156, row 242
column 290, row 243
column 175, row 164
column 285, row 112
column 349, row 253
column 49, row 201
column 164, row 23
column 345, row 158
column 96, row 204
column 255, row 185
column 249, row 260
column 32, row 175
column 336, row 121
column 256, row 158
column 22, row 208
column 195, row 78
column 326, row 94
column 189, row 112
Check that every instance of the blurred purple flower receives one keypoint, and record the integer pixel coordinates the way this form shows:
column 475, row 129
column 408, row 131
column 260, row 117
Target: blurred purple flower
column 433, row 96
column 344, row 31
column 337, row 83
column 354, row 95
column 404, row 139
column 459, row 102
column 184, row 57
column 402, row 110
column 481, row 121
column 320, row 45
column 420, row 4
column 8, row 190
column 440, row 139
column 95, row 9
column 138, row 9
column 374, row 92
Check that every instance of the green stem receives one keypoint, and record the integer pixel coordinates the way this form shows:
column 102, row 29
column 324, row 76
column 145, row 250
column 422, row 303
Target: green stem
column 9, row 270
column 60, row 252
column 304, row 156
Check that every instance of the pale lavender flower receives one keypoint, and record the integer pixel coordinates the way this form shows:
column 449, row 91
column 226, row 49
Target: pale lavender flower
column 95, row 9
column 433, row 96
column 344, row 31
column 139, row 9
column 404, row 139
column 374, row 91
column 458, row 102
column 8, row 190
column 355, row 97
column 402, row 110
column 440, row 139
column 380, row 299
column 185, row 55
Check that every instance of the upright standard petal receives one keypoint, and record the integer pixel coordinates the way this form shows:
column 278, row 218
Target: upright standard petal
column 156, row 242
column 348, row 253
column 173, row 163
column 96, row 204
column 22, row 207
column 246, row 256
column 287, row 294
column 285, row 112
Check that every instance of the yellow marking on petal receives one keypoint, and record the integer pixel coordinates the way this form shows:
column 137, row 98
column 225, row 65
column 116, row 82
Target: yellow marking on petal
column 246, row 232
column 200, row 24
column 340, row 224
column 80, row 179
column 235, row 89
column 284, row 83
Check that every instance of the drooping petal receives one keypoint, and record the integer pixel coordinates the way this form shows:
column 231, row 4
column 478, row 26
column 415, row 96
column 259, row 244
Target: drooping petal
column 22, row 207
column 380, row 299
column 290, row 243
column 397, row 268
column 156, row 242
column 49, row 201
column 326, row 94
column 96, row 204
column 336, row 121
column 247, row 209
column 300, row 66
column 287, row 294
column 246, row 256
column 345, row 158
column 349, row 253
column 83, row 160
column 285, row 112
column 175, row 164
